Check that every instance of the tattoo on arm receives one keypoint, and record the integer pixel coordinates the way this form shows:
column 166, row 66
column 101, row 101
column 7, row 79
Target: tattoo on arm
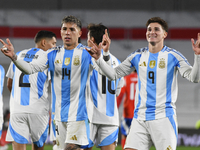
column 14, row 57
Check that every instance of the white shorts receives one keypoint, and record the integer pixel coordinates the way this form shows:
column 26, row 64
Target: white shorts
column 52, row 130
column 22, row 126
column 103, row 135
column 75, row 132
column 162, row 133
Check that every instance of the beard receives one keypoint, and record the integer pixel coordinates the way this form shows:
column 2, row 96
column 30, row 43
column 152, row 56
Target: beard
column 153, row 43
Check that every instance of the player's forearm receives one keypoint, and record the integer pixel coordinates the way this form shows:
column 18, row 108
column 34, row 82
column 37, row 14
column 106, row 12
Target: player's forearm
column 14, row 57
column 194, row 74
column 23, row 66
column 106, row 69
column 120, row 85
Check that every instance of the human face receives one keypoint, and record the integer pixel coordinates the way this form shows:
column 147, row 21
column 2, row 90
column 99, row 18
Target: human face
column 70, row 33
column 50, row 43
column 155, row 34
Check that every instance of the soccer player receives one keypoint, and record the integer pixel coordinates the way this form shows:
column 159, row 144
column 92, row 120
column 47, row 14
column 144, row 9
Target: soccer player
column 157, row 67
column 29, row 105
column 2, row 76
column 104, row 125
column 70, row 67
column 127, row 94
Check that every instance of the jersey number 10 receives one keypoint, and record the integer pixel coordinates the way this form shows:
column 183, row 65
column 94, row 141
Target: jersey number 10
column 110, row 90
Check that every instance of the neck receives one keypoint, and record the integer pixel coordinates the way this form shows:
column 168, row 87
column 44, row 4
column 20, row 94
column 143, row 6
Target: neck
column 155, row 48
column 39, row 46
column 70, row 47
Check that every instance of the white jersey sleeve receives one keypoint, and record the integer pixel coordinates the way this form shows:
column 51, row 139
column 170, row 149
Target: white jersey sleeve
column 38, row 64
column 189, row 72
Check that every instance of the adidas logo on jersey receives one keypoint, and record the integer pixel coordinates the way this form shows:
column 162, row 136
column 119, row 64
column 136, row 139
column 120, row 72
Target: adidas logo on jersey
column 73, row 138
column 169, row 148
column 143, row 64
column 57, row 142
column 58, row 61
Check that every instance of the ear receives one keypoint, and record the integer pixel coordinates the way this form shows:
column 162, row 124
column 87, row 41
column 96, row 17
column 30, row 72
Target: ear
column 165, row 34
column 92, row 39
column 43, row 42
column 80, row 33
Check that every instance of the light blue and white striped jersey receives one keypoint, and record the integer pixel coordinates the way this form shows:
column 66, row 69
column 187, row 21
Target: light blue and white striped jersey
column 29, row 92
column 157, row 88
column 104, row 94
column 70, row 71
column 2, row 76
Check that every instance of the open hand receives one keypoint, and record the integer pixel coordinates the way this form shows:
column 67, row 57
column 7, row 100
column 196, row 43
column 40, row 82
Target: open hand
column 94, row 51
column 8, row 49
column 106, row 41
column 196, row 45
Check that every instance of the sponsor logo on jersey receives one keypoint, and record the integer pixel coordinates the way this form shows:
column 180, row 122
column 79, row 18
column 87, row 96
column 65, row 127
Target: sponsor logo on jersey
column 152, row 64
column 31, row 56
column 161, row 64
column 73, row 138
column 67, row 61
column 58, row 61
column 76, row 61
column 143, row 64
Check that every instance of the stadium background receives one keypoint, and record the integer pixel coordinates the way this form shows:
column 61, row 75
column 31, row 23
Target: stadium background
column 21, row 19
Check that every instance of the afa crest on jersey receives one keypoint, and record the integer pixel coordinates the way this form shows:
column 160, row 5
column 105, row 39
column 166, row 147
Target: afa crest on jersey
column 67, row 61
column 76, row 61
column 152, row 64
column 161, row 64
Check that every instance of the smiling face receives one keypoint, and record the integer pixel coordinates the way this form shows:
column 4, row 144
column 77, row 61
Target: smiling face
column 70, row 34
column 155, row 34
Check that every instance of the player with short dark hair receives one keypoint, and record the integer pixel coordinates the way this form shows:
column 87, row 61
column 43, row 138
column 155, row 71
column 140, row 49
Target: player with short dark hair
column 29, row 104
column 157, row 67
column 105, row 121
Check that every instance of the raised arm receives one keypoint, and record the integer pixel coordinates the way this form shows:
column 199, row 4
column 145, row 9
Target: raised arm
column 196, row 45
column 188, row 72
column 194, row 76
column 8, row 49
column 37, row 65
